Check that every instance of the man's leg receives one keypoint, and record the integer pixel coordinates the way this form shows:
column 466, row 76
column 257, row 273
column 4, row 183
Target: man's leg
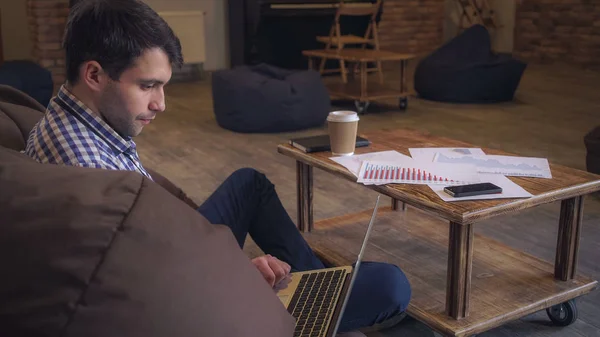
column 247, row 203
column 381, row 291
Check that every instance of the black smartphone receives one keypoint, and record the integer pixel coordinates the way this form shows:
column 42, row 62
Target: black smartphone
column 472, row 189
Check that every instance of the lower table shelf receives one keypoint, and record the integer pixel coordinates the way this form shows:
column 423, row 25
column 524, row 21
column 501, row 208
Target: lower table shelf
column 506, row 283
column 375, row 91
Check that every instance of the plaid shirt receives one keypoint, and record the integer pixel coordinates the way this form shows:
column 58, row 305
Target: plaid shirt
column 71, row 134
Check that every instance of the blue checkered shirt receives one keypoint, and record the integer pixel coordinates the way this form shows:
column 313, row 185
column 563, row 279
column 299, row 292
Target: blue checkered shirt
column 71, row 134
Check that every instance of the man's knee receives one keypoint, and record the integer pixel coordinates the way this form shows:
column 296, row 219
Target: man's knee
column 250, row 176
column 398, row 288
column 245, row 173
column 393, row 289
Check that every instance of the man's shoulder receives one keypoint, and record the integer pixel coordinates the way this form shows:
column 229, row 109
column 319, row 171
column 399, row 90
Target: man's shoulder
column 61, row 129
column 59, row 138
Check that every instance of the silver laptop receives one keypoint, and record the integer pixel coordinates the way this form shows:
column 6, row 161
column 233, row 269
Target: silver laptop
column 318, row 298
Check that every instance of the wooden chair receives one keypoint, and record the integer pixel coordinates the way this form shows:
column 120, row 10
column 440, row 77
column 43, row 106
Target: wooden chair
column 475, row 12
column 335, row 39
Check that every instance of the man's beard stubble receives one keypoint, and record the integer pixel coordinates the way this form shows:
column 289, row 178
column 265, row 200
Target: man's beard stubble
column 114, row 112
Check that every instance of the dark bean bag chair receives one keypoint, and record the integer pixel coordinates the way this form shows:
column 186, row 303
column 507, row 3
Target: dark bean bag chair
column 465, row 70
column 267, row 99
column 28, row 77
column 592, row 144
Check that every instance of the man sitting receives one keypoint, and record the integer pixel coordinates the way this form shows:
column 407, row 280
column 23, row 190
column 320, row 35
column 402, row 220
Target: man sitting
column 119, row 55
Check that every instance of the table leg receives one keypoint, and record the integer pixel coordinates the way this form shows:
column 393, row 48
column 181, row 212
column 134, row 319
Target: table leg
column 403, row 76
column 396, row 205
column 363, row 80
column 353, row 71
column 460, row 262
column 304, row 177
column 311, row 63
column 569, row 231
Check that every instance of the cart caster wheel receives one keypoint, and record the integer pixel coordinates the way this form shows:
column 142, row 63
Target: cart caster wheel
column 403, row 103
column 361, row 107
column 563, row 314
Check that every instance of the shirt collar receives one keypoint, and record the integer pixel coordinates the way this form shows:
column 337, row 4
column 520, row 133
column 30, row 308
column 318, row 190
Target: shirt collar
column 93, row 122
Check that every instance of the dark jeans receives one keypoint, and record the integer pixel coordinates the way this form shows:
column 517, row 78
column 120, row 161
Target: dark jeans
column 248, row 204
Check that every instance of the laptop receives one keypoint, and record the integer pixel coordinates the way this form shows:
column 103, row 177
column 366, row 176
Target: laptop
column 318, row 298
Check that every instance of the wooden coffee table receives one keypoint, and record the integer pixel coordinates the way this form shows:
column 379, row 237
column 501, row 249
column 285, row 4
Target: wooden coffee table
column 462, row 284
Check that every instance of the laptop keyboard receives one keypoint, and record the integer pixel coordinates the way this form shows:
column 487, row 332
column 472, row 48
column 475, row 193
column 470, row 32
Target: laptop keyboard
column 313, row 302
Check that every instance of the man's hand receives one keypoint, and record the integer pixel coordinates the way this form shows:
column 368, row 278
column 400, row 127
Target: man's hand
column 271, row 268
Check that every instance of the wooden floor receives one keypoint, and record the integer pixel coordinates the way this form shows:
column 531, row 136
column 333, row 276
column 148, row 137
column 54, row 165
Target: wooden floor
column 554, row 107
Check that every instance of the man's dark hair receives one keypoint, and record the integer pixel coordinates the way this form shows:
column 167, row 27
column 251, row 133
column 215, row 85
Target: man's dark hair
column 114, row 33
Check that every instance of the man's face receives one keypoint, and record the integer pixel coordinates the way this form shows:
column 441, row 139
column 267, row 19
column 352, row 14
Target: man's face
column 132, row 102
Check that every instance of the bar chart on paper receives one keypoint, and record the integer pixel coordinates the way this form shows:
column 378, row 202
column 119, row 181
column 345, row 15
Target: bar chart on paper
column 506, row 165
column 376, row 173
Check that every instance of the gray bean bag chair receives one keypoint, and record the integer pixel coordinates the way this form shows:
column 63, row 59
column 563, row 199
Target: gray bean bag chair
column 28, row 77
column 465, row 70
column 267, row 99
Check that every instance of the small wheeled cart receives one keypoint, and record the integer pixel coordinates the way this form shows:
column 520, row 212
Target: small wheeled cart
column 360, row 89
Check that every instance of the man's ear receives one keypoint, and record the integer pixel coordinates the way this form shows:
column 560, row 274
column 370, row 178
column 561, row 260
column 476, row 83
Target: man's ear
column 93, row 75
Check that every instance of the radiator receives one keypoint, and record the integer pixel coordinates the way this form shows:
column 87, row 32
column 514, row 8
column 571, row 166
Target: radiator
column 189, row 27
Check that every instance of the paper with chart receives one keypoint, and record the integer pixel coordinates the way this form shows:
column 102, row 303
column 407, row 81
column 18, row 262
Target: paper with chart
column 428, row 153
column 373, row 172
column 509, row 189
column 505, row 165
column 425, row 169
column 353, row 163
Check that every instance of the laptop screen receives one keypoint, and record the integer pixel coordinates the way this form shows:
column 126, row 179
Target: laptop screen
column 357, row 266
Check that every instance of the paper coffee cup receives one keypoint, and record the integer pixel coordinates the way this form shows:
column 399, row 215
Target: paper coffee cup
column 342, row 126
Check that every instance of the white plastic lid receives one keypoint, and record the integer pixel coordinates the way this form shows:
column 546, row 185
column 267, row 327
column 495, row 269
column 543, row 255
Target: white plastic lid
column 343, row 116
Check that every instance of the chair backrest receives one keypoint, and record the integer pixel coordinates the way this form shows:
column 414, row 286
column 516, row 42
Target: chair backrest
column 476, row 12
column 358, row 9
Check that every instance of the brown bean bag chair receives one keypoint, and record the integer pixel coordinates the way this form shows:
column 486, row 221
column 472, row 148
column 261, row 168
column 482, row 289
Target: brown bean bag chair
column 89, row 252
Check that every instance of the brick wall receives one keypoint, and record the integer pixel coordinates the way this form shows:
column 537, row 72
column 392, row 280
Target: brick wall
column 564, row 31
column 412, row 26
column 47, row 20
